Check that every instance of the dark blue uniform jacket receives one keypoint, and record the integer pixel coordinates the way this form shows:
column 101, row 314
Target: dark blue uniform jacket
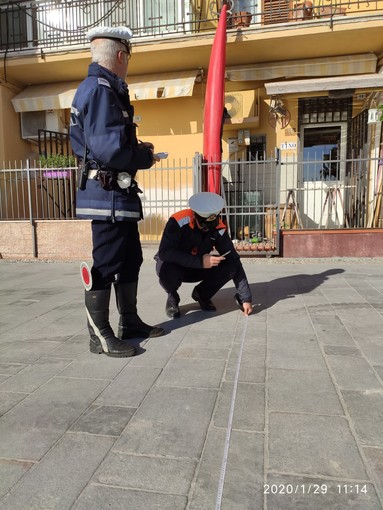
column 102, row 117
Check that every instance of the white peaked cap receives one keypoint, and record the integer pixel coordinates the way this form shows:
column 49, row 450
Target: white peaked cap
column 206, row 203
column 120, row 33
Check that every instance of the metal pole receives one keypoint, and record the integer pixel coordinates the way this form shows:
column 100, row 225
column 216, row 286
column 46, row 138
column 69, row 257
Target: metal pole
column 30, row 210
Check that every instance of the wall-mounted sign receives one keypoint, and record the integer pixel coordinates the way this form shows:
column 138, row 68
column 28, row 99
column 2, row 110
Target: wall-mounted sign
column 285, row 146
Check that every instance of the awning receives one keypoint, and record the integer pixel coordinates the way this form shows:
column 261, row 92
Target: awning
column 162, row 86
column 329, row 66
column 57, row 96
column 361, row 81
column 51, row 96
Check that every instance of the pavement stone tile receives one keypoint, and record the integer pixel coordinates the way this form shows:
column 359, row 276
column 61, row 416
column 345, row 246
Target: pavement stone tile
column 341, row 350
column 353, row 373
column 375, row 459
column 104, row 420
column 156, row 474
column 201, row 353
column 291, row 323
column 366, row 411
column 249, row 410
column 379, row 371
column 102, row 497
column 71, row 349
column 9, row 400
column 171, row 421
column 300, row 443
column 252, row 368
column 57, row 481
column 295, row 352
column 190, row 372
column 371, row 345
column 33, row 376
column 302, row 391
column 11, row 368
column 10, row 472
column 214, row 339
column 294, row 492
column 94, row 366
column 331, row 330
column 130, row 386
column 158, row 351
column 243, row 480
column 32, row 427
column 26, row 352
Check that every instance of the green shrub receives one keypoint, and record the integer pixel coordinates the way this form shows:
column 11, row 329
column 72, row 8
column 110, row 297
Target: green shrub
column 57, row 161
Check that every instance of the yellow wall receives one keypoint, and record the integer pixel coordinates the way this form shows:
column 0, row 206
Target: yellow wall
column 12, row 147
column 172, row 125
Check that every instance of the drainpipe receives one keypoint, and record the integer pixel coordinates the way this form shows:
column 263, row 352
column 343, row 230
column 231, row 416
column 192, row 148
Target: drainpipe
column 34, row 245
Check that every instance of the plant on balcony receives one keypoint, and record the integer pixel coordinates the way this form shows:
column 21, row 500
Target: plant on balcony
column 242, row 14
column 57, row 161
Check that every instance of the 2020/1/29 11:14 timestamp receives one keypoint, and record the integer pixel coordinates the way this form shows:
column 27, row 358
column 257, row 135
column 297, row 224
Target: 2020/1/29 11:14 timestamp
column 346, row 488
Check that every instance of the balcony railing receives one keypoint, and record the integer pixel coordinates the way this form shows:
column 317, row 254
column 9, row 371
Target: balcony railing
column 51, row 25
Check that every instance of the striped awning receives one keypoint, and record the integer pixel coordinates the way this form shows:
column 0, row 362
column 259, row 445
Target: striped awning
column 51, row 96
column 57, row 96
column 323, row 66
column 162, row 86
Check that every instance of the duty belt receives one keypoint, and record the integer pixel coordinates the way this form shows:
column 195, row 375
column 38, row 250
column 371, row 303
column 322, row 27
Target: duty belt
column 124, row 180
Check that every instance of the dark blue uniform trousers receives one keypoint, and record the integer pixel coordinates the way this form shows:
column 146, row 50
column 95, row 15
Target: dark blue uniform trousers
column 117, row 253
column 171, row 277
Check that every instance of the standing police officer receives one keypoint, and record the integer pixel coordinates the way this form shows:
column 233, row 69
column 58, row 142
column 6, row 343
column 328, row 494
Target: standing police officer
column 185, row 255
column 103, row 137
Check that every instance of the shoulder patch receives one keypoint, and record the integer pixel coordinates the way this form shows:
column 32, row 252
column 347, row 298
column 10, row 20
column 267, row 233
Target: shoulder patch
column 103, row 81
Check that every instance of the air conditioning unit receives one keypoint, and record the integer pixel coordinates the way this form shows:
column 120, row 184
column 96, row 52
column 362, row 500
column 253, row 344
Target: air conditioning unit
column 243, row 105
column 50, row 120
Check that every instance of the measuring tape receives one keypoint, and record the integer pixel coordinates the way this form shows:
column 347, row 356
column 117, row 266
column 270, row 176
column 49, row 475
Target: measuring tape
column 230, row 423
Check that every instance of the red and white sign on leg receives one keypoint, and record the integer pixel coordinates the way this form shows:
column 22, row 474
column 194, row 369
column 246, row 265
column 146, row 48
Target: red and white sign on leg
column 86, row 276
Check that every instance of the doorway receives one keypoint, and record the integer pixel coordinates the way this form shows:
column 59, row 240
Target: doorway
column 322, row 175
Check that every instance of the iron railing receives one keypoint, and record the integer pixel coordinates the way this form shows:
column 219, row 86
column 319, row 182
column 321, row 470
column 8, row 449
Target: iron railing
column 261, row 196
column 44, row 25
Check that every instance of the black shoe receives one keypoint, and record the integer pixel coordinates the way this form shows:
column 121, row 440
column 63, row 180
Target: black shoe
column 111, row 346
column 128, row 329
column 207, row 305
column 172, row 309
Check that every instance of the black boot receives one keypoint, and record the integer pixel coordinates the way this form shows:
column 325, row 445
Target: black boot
column 171, row 308
column 130, row 325
column 102, row 339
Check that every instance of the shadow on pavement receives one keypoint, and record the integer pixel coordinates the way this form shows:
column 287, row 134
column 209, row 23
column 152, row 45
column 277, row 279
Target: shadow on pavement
column 265, row 295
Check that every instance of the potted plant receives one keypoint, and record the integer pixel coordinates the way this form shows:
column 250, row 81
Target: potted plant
column 242, row 14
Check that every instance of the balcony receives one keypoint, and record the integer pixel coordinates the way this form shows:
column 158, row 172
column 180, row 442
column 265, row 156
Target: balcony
column 56, row 25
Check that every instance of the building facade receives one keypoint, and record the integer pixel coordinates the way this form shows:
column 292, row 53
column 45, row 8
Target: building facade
column 302, row 77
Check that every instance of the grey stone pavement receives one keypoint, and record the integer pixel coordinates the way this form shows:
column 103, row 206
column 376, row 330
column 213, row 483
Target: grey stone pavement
column 280, row 410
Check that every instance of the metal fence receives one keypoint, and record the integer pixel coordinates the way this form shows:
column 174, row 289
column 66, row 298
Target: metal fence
column 331, row 193
column 261, row 196
column 48, row 24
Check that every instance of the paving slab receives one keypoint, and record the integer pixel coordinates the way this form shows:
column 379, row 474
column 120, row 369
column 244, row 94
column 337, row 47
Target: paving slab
column 280, row 410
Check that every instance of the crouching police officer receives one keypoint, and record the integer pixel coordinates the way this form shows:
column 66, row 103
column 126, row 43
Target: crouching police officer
column 184, row 255
column 103, row 137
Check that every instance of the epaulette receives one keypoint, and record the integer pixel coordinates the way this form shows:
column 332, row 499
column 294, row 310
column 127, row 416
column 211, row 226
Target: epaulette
column 103, row 81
